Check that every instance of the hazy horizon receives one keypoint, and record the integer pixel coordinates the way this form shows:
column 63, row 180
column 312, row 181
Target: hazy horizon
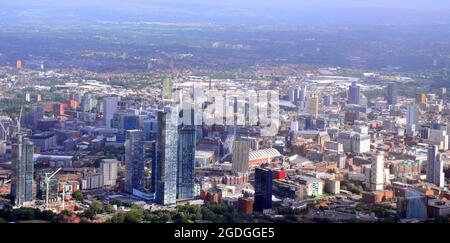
column 328, row 12
column 398, row 4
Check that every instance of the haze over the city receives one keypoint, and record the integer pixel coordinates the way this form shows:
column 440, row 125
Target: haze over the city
column 322, row 12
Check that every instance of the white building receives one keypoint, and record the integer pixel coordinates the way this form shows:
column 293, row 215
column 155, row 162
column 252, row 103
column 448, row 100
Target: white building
column 360, row 143
column 354, row 142
column 92, row 181
column 377, row 176
column 109, row 168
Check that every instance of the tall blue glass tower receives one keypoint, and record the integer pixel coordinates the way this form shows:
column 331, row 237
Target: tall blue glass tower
column 186, row 162
column 354, row 94
column 134, row 161
column 263, row 189
column 166, row 159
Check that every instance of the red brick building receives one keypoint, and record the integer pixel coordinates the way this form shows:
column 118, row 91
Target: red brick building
column 245, row 205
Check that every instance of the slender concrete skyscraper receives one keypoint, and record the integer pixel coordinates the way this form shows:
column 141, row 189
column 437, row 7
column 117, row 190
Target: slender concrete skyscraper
column 313, row 106
column 166, row 159
column 240, row 156
column 302, row 92
column 377, row 173
column 134, row 161
column 23, row 171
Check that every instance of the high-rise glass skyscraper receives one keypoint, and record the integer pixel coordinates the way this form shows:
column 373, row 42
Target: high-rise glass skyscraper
column 354, row 94
column 166, row 160
column 392, row 94
column 109, row 108
column 263, row 189
column 134, row 161
column 23, row 172
column 186, row 162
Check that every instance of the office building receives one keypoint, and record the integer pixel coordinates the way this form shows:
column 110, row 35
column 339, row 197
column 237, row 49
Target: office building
column 412, row 205
column 88, row 102
column 435, row 167
column 392, row 94
column 32, row 118
column 438, row 137
column 150, row 129
column 134, row 161
column 313, row 106
column 130, row 122
column 412, row 119
column 412, row 115
column 354, row 142
column 263, row 190
column 44, row 141
column 186, row 162
column 23, row 171
column 166, row 159
column 110, row 105
column 354, row 94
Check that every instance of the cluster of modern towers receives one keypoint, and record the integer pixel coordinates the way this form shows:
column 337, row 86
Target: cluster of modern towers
column 173, row 161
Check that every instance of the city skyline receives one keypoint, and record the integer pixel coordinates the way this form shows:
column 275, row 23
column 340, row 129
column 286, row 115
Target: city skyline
column 201, row 112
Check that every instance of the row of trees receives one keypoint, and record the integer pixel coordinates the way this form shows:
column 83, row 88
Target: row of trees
column 26, row 214
column 217, row 213
column 357, row 189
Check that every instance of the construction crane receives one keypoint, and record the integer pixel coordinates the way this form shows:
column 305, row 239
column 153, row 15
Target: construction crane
column 5, row 131
column 63, row 196
column 20, row 119
column 47, row 182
